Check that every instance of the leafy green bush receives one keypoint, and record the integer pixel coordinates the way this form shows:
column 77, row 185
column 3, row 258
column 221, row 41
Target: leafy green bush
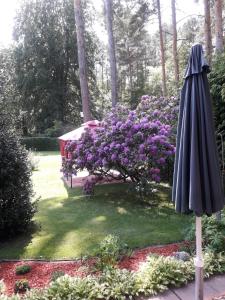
column 213, row 234
column 40, row 143
column 21, row 285
column 56, row 274
column 110, row 251
column 23, row 269
column 158, row 272
column 16, row 208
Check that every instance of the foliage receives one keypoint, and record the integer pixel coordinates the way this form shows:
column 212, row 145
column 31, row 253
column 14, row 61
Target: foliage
column 217, row 84
column 16, row 208
column 21, row 285
column 46, row 65
column 158, row 272
column 58, row 129
column 213, row 234
column 110, row 251
column 132, row 145
column 23, row 269
column 56, row 274
column 40, row 143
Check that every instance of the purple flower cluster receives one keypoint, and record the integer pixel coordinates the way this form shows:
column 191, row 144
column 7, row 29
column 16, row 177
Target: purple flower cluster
column 136, row 144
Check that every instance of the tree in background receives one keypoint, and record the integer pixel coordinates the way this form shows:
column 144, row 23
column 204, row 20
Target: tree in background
column 175, row 54
column 207, row 29
column 219, row 25
column 162, row 50
column 85, row 95
column 111, row 50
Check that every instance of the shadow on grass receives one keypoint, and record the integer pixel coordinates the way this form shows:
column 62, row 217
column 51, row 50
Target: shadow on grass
column 73, row 226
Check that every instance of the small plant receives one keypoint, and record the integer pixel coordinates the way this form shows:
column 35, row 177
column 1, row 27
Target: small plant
column 21, row 285
column 23, row 269
column 56, row 275
column 110, row 251
column 2, row 286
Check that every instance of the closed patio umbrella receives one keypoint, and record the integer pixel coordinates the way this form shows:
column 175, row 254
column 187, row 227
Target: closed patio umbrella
column 197, row 184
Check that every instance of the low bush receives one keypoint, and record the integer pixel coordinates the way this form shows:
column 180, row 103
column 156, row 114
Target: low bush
column 159, row 272
column 40, row 143
column 110, row 251
column 21, row 285
column 23, row 269
column 213, row 234
column 56, row 274
column 33, row 160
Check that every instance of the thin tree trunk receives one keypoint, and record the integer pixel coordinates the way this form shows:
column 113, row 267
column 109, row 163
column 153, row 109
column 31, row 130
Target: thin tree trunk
column 164, row 89
column 111, row 49
column 175, row 54
column 82, row 61
column 219, row 25
column 207, row 28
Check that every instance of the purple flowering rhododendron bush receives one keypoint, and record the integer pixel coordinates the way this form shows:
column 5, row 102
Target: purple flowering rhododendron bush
column 129, row 145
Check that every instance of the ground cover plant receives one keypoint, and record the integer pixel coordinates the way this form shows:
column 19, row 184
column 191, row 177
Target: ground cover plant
column 86, row 221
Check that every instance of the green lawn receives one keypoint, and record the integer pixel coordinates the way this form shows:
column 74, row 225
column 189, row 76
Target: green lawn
column 71, row 225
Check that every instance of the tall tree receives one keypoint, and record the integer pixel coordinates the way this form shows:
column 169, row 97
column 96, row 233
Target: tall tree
column 175, row 54
column 164, row 88
column 111, row 50
column 207, row 29
column 219, row 25
column 85, row 95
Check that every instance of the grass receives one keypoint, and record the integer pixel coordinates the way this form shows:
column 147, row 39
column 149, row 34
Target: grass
column 71, row 225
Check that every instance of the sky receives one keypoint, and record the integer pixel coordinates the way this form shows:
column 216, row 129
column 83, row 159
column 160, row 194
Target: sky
column 184, row 8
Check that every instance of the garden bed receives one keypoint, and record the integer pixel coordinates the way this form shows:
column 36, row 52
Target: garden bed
column 41, row 271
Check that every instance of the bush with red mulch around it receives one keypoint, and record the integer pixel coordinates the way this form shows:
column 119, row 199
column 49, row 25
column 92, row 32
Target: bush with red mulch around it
column 41, row 271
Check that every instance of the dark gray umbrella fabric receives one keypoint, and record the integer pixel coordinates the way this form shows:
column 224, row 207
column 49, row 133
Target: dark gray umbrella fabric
column 197, row 183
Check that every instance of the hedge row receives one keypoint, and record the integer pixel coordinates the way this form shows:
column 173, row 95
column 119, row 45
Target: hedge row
column 41, row 143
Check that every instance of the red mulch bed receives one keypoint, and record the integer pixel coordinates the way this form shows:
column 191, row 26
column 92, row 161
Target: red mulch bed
column 41, row 271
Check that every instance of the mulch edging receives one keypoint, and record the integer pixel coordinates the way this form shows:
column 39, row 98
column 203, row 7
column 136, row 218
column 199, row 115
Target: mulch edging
column 41, row 270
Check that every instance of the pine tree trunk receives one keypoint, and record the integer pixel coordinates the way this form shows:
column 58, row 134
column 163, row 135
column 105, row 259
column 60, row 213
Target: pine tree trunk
column 111, row 49
column 219, row 25
column 175, row 54
column 164, row 89
column 82, row 61
column 207, row 28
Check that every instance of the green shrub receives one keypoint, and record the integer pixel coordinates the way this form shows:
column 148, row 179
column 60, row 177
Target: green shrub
column 21, row 285
column 23, row 269
column 118, row 284
column 67, row 287
column 159, row 272
column 110, row 251
column 213, row 234
column 40, row 143
column 16, row 208
column 56, row 274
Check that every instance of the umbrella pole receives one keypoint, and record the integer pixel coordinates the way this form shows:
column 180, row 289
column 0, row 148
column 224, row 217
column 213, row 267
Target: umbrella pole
column 199, row 261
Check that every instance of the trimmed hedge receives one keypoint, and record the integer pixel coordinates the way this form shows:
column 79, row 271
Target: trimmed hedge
column 40, row 143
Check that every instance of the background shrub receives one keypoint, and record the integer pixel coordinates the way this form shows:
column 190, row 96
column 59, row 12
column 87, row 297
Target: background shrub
column 213, row 234
column 16, row 208
column 40, row 143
